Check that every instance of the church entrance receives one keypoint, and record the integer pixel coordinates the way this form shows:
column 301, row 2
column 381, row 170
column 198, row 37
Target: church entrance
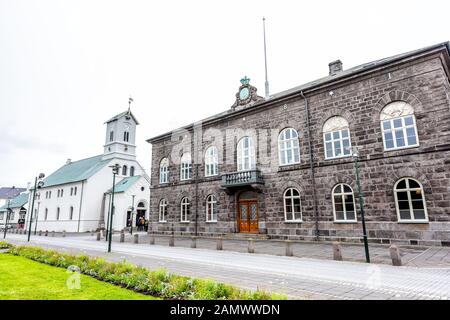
column 248, row 212
column 140, row 215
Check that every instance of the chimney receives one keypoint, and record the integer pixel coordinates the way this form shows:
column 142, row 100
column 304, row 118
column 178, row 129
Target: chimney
column 69, row 161
column 335, row 67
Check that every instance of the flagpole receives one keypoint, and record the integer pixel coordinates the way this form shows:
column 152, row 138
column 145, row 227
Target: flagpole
column 265, row 58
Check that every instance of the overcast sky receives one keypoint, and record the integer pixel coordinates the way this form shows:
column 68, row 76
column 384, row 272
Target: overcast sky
column 67, row 66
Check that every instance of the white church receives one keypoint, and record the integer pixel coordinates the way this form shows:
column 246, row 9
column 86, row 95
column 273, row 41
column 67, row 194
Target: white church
column 77, row 196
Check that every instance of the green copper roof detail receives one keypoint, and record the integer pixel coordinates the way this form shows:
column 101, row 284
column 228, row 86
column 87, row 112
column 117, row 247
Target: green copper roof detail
column 124, row 184
column 16, row 202
column 76, row 171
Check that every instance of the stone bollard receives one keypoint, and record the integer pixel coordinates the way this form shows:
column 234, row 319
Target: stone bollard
column 122, row 236
column 251, row 246
column 289, row 251
column 136, row 238
column 53, row 233
column 171, row 241
column 152, row 239
column 219, row 245
column 194, row 242
column 64, row 233
column 40, row 232
column 46, row 233
column 17, row 231
column 337, row 252
column 98, row 235
column 395, row 255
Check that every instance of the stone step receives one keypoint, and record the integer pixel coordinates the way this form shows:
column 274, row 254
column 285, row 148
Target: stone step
column 240, row 236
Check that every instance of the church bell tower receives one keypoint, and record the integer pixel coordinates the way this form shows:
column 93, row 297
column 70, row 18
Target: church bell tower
column 121, row 136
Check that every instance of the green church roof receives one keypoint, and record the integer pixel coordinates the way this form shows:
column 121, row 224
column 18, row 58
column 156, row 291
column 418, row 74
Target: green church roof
column 76, row 171
column 124, row 184
column 16, row 202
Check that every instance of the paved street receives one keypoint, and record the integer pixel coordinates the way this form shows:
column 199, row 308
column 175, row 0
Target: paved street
column 298, row 277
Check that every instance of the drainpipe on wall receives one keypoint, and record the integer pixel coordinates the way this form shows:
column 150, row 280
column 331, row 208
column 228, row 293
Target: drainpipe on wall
column 81, row 201
column 311, row 164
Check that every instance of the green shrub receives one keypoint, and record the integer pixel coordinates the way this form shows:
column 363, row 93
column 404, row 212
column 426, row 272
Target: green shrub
column 5, row 245
column 158, row 282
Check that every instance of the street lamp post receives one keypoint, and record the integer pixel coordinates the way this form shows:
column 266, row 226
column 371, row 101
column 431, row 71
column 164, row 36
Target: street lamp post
column 361, row 204
column 36, row 185
column 37, row 216
column 131, row 214
column 115, row 170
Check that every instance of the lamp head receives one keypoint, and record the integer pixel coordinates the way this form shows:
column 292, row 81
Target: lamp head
column 41, row 175
column 355, row 153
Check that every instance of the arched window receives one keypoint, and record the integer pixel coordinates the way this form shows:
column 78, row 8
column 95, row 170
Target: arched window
column 124, row 170
column 410, row 201
column 211, row 204
column 164, row 171
column 185, row 209
column 398, row 125
column 162, row 210
column 111, row 135
column 57, row 213
column 292, row 206
column 186, row 167
column 126, row 136
column 288, row 147
column 71, row 213
column 46, row 214
column 336, row 138
column 75, row 191
column 246, row 154
column 211, row 162
column 131, row 171
column 343, row 203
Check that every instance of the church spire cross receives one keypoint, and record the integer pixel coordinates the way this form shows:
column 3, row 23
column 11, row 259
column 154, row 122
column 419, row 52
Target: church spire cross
column 130, row 100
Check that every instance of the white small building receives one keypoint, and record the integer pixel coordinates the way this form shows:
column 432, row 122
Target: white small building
column 17, row 208
column 76, row 197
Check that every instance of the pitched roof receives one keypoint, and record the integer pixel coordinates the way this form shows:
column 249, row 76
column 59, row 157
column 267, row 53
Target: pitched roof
column 76, row 171
column 124, row 184
column 120, row 115
column 17, row 202
column 317, row 83
column 8, row 193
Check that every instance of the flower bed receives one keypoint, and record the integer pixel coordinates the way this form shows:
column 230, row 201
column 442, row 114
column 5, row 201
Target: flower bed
column 156, row 283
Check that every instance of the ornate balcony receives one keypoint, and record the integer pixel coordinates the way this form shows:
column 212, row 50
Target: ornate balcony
column 242, row 178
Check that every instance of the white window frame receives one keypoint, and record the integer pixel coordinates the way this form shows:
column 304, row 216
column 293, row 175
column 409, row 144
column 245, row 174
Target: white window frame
column 285, row 145
column 394, row 111
column 211, row 202
column 185, row 210
column 186, row 167
column 411, row 211
column 164, row 171
column 343, row 194
column 211, row 162
column 293, row 213
column 162, row 211
column 246, row 159
column 331, row 126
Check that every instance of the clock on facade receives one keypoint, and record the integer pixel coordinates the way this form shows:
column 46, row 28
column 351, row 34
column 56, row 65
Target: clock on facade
column 244, row 93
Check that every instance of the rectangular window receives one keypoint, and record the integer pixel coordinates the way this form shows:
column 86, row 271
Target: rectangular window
column 399, row 133
column 337, row 144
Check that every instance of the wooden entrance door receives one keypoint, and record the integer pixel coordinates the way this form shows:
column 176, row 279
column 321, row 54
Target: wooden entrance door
column 248, row 216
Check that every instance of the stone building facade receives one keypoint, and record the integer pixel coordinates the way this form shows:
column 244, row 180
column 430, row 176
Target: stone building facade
column 284, row 167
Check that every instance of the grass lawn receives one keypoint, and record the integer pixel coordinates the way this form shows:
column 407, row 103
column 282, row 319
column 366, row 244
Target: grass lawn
column 24, row 279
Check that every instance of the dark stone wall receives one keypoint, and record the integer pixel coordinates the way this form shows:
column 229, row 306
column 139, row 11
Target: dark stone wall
column 421, row 82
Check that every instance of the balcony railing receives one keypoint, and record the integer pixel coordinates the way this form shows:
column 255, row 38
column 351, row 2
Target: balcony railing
column 242, row 178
